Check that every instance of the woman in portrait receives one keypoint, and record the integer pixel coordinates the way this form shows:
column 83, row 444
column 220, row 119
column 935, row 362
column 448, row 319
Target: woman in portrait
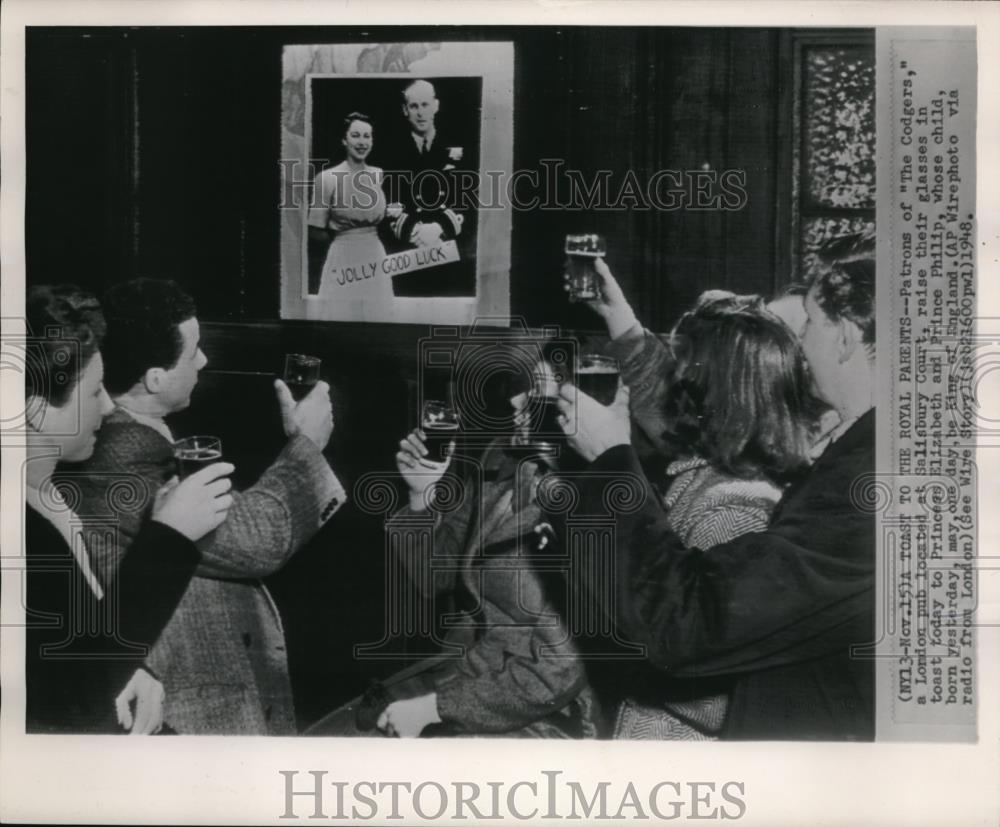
column 728, row 405
column 86, row 643
column 346, row 208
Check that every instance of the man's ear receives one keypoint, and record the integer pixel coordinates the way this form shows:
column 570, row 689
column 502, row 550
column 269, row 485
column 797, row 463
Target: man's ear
column 153, row 379
column 849, row 339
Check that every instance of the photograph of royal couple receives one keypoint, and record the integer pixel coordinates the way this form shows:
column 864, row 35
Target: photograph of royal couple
column 411, row 202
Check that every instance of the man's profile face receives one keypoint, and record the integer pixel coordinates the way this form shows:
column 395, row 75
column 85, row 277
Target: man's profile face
column 820, row 338
column 180, row 380
column 420, row 108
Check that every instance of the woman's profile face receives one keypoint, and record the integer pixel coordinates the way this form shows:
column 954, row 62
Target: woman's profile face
column 358, row 140
column 73, row 425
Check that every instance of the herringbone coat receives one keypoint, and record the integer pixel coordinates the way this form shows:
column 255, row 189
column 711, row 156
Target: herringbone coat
column 222, row 657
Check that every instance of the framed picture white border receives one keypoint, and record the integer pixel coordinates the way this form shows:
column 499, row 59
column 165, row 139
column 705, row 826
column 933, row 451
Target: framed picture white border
column 493, row 61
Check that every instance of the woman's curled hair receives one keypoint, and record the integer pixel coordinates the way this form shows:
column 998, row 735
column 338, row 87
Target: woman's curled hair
column 65, row 326
column 740, row 394
column 351, row 117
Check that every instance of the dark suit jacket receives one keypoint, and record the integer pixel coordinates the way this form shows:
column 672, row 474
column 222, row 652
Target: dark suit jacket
column 436, row 189
column 779, row 610
column 73, row 678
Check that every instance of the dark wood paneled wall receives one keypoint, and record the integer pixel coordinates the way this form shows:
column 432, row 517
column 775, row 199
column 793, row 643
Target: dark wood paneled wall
column 155, row 151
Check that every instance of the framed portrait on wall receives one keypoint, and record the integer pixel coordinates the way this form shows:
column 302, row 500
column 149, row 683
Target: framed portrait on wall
column 392, row 162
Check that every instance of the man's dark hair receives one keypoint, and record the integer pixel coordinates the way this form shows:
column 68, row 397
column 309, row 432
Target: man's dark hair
column 847, row 291
column 66, row 327
column 143, row 316
column 837, row 250
column 850, row 247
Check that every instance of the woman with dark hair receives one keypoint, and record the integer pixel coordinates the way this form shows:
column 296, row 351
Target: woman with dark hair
column 85, row 644
column 737, row 400
column 346, row 207
column 509, row 666
column 727, row 402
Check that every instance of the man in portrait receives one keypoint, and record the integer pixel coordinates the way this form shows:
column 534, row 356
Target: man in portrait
column 432, row 174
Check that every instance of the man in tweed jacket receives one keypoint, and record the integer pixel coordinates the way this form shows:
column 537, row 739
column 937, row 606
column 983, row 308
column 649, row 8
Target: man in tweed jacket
column 222, row 656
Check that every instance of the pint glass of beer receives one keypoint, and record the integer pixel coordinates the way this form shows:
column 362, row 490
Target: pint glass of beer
column 301, row 374
column 439, row 422
column 195, row 452
column 581, row 250
column 543, row 409
column 597, row 376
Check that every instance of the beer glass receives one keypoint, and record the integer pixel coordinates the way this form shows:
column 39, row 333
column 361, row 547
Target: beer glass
column 542, row 408
column 439, row 422
column 195, row 452
column 581, row 250
column 597, row 376
column 301, row 374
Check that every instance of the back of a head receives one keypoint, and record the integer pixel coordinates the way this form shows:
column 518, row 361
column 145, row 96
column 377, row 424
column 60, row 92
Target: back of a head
column 143, row 316
column 66, row 327
column 740, row 396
